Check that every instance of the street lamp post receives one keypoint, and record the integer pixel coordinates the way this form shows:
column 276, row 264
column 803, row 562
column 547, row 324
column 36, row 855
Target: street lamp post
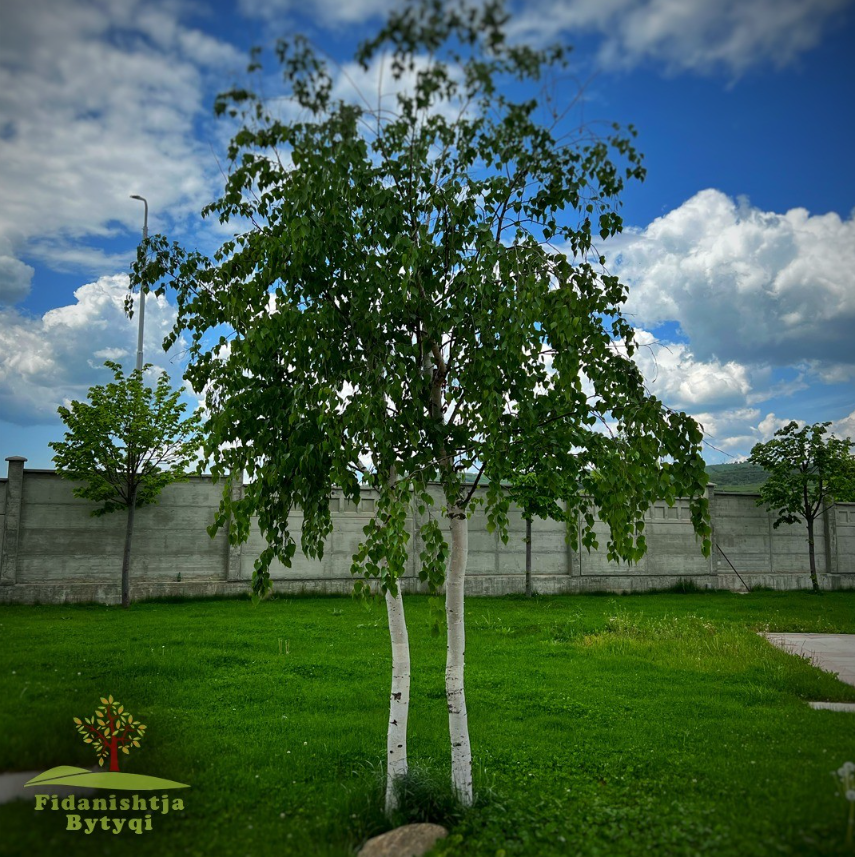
column 142, row 293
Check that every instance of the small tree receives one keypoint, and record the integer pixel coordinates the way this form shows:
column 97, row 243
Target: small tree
column 125, row 445
column 806, row 471
column 109, row 730
column 534, row 491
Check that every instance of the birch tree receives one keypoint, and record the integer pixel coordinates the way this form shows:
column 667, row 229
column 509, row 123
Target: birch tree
column 438, row 302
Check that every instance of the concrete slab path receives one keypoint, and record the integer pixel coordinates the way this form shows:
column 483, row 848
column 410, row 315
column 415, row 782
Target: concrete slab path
column 831, row 652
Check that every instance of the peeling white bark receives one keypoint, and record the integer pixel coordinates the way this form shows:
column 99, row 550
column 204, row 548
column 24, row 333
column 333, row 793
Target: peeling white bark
column 458, row 720
column 399, row 699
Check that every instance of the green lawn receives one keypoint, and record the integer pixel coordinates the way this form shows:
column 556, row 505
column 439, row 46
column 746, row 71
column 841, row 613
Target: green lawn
column 601, row 725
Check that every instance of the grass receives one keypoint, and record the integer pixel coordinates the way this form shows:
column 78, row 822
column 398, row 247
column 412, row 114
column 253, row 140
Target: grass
column 617, row 725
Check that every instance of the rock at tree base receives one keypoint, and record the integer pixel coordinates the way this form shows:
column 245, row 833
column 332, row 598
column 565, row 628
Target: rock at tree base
column 411, row 840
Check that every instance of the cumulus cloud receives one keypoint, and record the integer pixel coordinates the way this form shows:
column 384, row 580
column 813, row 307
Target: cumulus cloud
column 771, row 423
column 100, row 100
column 845, row 427
column 676, row 376
column 746, row 285
column 721, row 396
column 685, row 35
column 716, row 394
column 49, row 360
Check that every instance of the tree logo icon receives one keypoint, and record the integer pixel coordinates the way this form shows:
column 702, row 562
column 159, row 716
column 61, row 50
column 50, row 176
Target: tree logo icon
column 110, row 729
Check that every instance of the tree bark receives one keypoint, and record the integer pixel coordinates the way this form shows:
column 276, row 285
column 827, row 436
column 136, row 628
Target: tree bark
column 114, row 756
column 458, row 720
column 812, row 555
column 399, row 699
column 528, row 557
column 126, row 559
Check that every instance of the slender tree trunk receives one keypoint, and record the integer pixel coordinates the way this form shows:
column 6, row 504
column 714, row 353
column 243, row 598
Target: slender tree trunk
column 399, row 700
column 458, row 720
column 126, row 559
column 812, row 555
column 114, row 756
column 528, row 557
column 455, row 695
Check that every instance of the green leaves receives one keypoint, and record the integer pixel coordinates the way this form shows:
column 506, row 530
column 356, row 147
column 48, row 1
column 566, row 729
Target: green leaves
column 805, row 469
column 393, row 305
column 128, row 440
column 115, row 729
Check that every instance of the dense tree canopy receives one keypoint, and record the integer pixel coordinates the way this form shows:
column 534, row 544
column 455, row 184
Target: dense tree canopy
column 417, row 291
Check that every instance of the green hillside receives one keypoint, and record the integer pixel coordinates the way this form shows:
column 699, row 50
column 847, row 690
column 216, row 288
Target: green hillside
column 745, row 478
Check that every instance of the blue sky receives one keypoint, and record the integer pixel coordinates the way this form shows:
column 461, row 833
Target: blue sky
column 739, row 248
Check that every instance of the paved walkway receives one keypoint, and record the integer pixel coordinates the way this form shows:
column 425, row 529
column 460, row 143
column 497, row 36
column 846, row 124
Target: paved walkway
column 834, row 653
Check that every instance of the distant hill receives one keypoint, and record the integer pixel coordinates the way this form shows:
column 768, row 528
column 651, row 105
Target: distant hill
column 744, row 478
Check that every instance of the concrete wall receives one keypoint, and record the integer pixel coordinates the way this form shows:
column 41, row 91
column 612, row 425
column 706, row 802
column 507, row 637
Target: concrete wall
column 53, row 550
column 841, row 538
column 3, row 484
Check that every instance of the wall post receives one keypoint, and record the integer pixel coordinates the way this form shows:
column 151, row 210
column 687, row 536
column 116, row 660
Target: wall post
column 771, row 518
column 713, row 556
column 573, row 568
column 233, row 557
column 12, row 520
column 829, row 520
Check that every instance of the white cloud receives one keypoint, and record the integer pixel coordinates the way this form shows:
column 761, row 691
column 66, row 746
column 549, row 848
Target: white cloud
column 676, row 376
column 327, row 12
column 747, row 286
column 15, row 276
column 845, row 427
column 100, row 100
column 47, row 361
column 376, row 91
column 720, row 396
column 693, row 35
column 770, row 424
column 730, row 429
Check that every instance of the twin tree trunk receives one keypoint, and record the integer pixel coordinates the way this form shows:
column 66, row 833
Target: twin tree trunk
column 399, row 699
column 126, row 559
column 458, row 720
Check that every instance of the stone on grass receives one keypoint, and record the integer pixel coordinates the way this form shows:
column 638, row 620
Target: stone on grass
column 411, row 840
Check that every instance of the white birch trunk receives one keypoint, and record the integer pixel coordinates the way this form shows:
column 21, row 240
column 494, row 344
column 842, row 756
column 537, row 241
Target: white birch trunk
column 399, row 699
column 458, row 721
